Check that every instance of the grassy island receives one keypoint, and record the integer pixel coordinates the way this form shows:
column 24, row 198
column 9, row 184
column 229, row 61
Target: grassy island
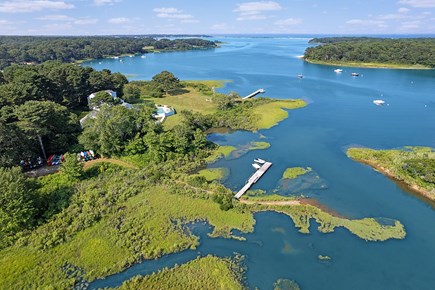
column 405, row 53
column 415, row 166
column 368, row 229
column 221, row 152
column 293, row 172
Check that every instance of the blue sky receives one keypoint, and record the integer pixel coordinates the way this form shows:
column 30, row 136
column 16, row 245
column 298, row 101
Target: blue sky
column 96, row 17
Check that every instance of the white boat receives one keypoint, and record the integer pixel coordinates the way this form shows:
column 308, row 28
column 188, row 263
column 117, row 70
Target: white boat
column 300, row 76
column 143, row 56
column 354, row 74
column 256, row 166
column 338, row 70
column 378, row 102
column 258, row 160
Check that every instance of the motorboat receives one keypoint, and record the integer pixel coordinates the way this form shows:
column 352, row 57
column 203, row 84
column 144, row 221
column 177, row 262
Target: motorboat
column 256, row 166
column 338, row 70
column 300, row 76
column 378, row 102
column 258, row 160
column 354, row 74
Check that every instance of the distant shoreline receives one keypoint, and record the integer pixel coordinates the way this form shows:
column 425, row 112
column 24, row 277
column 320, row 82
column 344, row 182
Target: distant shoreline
column 369, row 65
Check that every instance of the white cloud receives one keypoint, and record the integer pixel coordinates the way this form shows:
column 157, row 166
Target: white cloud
column 222, row 27
column 119, row 20
column 22, row 6
column 251, row 17
column 410, row 25
column 86, row 21
column 254, row 10
column 105, row 2
column 167, row 10
column 366, row 22
column 418, row 3
column 69, row 19
column 392, row 16
column 288, row 21
column 258, row 6
column 56, row 18
column 56, row 27
column 190, row 21
column 175, row 14
column 403, row 10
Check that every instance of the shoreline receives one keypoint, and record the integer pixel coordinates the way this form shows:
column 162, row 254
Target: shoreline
column 422, row 192
column 369, row 65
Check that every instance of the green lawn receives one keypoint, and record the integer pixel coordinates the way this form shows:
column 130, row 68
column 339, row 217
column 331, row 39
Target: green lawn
column 191, row 100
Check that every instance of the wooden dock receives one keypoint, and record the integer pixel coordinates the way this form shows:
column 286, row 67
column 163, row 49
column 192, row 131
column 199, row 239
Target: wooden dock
column 259, row 91
column 253, row 179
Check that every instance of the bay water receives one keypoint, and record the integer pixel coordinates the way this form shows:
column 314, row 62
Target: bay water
column 340, row 114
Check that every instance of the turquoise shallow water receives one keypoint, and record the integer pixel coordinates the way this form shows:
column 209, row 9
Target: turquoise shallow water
column 340, row 114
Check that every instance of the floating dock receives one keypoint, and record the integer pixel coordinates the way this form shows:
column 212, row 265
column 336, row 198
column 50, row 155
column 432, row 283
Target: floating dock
column 253, row 179
column 259, row 91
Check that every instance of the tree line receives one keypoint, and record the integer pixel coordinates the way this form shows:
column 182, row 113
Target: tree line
column 40, row 105
column 38, row 49
column 406, row 51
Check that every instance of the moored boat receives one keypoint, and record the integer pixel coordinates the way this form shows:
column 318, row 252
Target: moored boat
column 379, row 102
column 258, row 160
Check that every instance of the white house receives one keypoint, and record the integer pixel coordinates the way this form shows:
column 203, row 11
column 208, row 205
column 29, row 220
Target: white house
column 110, row 92
column 94, row 112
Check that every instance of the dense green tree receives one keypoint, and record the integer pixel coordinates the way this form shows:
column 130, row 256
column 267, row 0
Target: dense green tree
column 16, row 204
column 110, row 131
column 46, row 119
column 14, row 145
column 71, row 166
column 131, row 93
column 226, row 102
column 166, row 81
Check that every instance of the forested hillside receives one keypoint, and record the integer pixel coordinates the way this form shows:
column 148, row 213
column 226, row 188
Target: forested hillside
column 29, row 49
column 343, row 50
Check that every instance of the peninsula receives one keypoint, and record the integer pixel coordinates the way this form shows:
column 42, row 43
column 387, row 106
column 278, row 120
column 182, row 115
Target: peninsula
column 403, row 53
column 415, row 166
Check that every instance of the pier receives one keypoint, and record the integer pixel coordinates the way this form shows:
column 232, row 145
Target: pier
column 259, row 91
column 253, row 179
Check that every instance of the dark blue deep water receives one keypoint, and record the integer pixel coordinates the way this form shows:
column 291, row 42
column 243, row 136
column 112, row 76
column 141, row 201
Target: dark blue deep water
column 340, row 114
